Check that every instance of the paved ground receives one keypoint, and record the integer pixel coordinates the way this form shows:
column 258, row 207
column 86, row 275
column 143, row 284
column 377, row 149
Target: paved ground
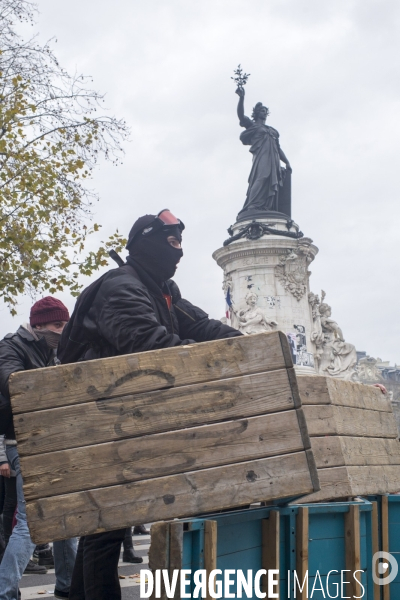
column 42, row 586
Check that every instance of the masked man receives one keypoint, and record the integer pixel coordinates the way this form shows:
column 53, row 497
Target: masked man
column 33, row 346
column 134, row 308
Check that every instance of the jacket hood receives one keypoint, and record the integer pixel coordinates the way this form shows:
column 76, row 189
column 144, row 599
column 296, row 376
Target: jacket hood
column 28, row 333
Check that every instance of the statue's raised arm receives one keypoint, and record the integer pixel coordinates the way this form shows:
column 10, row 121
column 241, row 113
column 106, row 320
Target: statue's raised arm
column 240, row 107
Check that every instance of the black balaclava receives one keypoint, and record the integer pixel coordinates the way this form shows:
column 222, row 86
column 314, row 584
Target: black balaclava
column 155, row 255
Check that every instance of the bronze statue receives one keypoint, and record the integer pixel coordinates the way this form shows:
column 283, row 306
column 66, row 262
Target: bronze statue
column 269, row 183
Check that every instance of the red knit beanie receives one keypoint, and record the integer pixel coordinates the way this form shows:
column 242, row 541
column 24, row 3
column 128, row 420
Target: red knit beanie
column 48, row 310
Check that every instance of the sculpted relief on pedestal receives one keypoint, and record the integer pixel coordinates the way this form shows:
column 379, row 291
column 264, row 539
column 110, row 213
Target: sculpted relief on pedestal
column 252, row 319
column 292, row 270
column 368, row 370
column 227, row 285
column 317, row 335
column 334, row 356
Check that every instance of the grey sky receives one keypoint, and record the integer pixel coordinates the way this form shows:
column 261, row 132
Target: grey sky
column 328, row 72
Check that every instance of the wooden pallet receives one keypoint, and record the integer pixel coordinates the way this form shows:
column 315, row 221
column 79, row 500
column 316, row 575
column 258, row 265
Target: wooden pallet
column 157, row 435
column 354, row 438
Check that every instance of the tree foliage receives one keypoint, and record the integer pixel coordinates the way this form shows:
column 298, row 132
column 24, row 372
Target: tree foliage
column 52, row 134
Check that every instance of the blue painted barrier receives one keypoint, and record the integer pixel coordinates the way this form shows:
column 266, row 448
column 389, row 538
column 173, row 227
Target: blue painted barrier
column 323, row 539
column 239, row 544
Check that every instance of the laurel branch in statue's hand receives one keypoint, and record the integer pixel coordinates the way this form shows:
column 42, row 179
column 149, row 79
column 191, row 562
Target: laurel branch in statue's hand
column 240, row 79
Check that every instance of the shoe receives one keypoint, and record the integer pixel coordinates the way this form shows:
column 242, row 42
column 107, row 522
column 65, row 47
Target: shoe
column 38, row 549
column 140, row 530
column 59, row 594
column 129, row 556
column 34, row 569
column 44, row 557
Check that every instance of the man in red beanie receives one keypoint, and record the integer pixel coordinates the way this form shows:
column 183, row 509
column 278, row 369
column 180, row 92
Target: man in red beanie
column 33, row 346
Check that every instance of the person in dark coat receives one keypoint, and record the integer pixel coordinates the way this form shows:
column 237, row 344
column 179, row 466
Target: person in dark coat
column 32, row 346
column 134, row 308
column 2, row 496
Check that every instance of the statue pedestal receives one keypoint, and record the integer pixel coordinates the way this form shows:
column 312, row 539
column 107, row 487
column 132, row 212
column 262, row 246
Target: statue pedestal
column 266, row 284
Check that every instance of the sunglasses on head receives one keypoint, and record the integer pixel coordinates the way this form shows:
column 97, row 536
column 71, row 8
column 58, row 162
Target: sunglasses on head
column 163, row 220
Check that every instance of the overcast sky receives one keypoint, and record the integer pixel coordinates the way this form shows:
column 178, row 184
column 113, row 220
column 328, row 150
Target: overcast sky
column 329, row 72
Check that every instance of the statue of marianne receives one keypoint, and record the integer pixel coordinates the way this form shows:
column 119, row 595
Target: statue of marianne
column 266, row 177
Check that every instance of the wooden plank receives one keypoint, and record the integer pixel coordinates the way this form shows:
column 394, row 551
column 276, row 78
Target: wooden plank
column 186, row 494
column 146, row 371
column 304, row 434
column 344, row 482
column 313, row 389
column 383, row 479
column 302, row 551
column 286, row 351
column 153, row 412
column 337, row 451
column 352, row 548
column 358, row 395
column 159, row 553
column 313, row 470
column 375, row 546
column 210, row 550
column 329, row 390
column 334, row 483
column 270, row 556
column 160, row 454
column 303, row 427
column 341, row 420
column 175, row 552
column 371, row 451
column 159, row 546
column 385, row 538
column 327, row 451
column 176, row 545
column 385, row 524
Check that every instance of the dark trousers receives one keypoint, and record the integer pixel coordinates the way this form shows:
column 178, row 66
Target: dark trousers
column 2, row 542
column 128, row 541
column 95, row 575
column 10, row 504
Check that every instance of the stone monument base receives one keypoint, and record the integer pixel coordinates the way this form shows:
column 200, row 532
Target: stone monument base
column 266, row 282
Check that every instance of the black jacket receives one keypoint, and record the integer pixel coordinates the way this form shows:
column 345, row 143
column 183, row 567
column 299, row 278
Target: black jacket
column 19, row 351
column 129, row 313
